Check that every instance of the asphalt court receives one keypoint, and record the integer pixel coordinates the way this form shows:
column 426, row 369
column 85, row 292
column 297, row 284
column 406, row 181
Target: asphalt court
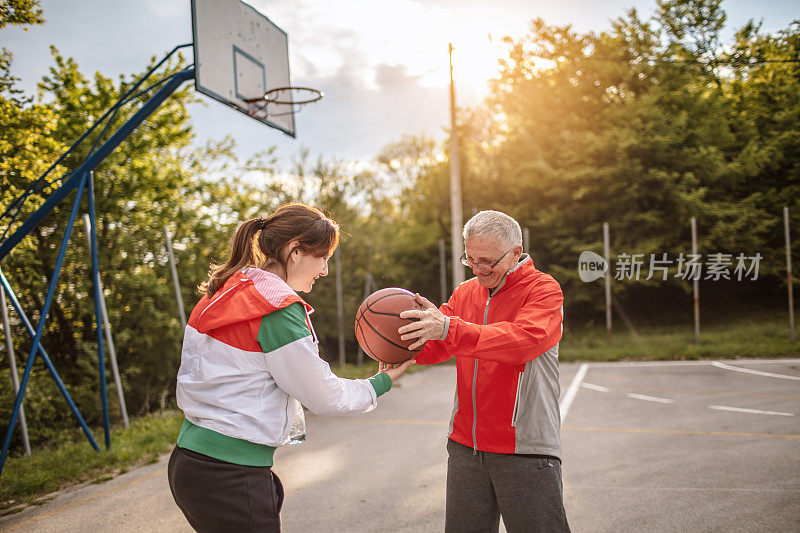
column 682, row 446
column 642, row 450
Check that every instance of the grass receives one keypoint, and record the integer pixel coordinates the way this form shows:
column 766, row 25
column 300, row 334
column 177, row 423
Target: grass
column 763, row 336
column 72, row 461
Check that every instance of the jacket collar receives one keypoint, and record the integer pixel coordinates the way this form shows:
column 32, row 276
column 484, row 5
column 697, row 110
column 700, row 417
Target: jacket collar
column 246, row 295
column 523, row 268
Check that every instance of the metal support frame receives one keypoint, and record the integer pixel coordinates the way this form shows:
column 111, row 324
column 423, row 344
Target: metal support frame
column 98, row 311
column 112, row 352
column 78, row 180
column 49, row 364
column 95, row 159
column 37, row 336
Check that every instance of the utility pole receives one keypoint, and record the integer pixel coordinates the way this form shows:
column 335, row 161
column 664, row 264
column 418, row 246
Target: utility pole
column 12, row 361
column 526, row 240
column 607, row 256
column 175, row 279
column 456, row 215
column 443, row 270
column 339, row 305
column 369, row 286
column 789, row 269
column 696, row 284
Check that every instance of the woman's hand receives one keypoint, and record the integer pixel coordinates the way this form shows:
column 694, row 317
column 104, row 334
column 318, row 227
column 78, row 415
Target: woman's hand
column 395, row 371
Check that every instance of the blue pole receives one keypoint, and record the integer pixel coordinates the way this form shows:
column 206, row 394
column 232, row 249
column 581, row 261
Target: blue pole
column 99, row 121
column 101, row 360
column 76, row 180
column 76, row 177
column 42, row 320
column 49, row 364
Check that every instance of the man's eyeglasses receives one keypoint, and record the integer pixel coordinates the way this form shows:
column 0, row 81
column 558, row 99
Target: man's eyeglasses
column 481, row 265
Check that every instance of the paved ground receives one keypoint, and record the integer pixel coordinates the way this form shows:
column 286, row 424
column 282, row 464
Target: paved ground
column 383, row 470
column 647, row 446
column 685, row 447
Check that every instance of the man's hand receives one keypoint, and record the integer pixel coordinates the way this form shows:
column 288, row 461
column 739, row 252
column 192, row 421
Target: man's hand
column 428, row 326
column 395, row 371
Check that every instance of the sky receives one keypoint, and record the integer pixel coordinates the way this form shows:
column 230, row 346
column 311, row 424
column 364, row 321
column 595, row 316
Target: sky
column 383, row 64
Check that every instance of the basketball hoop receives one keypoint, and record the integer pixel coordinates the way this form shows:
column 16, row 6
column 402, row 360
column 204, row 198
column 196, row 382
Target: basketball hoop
column 282, row 101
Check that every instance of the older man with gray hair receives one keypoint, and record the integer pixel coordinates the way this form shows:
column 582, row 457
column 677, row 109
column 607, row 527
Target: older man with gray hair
column 503, row 326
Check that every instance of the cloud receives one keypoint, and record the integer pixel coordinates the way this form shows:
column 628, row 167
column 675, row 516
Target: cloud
column 324, row 35
column 355, row 119
column 383, row 63
column 383, row 66
column 392, row 77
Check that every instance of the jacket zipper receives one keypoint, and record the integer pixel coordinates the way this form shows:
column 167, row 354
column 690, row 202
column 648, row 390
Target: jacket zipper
column 474, row 386
column 516, row 400
column 287, row 425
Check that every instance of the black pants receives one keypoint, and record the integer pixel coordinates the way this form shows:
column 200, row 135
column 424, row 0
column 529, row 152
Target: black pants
column 216, row 496
column 481, row 486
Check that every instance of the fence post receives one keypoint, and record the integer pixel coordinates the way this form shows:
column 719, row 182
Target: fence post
column 696, row 285
column 368, row 283
column 112, row 351
column 442, row 270
column 175, row 280
column 12, row 361
column 526, row 240
column 340, row 306
column 789, row 270
column 607, row 256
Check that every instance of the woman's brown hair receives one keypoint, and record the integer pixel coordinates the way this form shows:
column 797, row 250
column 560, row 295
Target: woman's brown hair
column 315, row 233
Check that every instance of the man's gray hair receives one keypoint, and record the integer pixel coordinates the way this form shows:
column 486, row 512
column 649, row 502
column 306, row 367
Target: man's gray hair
column 494, row 224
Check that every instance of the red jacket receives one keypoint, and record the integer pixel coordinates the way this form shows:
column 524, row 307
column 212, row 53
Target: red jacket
column 506, row 348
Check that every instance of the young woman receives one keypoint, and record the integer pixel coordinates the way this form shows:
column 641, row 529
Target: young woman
column 249, row 359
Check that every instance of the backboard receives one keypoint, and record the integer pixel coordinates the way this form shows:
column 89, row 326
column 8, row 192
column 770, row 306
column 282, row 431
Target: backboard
column 239, row 54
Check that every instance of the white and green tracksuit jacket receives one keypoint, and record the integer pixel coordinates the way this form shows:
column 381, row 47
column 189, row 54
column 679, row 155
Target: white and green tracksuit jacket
column 249, row 359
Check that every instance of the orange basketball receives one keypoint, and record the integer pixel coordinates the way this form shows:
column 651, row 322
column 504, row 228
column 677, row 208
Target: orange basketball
column 377, row 321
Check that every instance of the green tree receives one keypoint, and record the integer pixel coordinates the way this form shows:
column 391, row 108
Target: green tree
column 643, row 125
column 20, row 12
column 155, row 178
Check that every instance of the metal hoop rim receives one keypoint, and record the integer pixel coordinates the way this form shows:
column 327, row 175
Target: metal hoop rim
column 315, row 95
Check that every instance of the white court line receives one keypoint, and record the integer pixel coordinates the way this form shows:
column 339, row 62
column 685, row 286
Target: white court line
column 648, row 398
column 742, row 410
column 756, row 372
column 572, row 390
column 595, row 387
column 760, row 361
column 684, row 489
column 690, row 363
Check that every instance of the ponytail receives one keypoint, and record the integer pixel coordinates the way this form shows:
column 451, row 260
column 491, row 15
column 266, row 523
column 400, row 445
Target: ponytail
column 260, row 242
column 242, row 256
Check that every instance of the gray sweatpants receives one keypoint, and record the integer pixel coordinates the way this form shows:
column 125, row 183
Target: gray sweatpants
column 526, row 490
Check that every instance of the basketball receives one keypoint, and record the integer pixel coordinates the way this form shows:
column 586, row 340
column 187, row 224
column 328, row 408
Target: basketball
column 377, row 321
